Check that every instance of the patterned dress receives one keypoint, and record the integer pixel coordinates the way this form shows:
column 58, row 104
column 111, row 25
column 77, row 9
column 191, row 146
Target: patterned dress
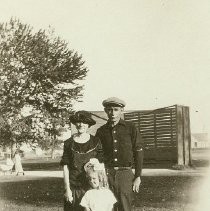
column 75, row 156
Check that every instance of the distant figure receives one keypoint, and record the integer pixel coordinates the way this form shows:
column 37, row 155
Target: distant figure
column 99, row 197
column 18, row 164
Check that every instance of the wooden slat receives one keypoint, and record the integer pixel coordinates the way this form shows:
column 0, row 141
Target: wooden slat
column 165, row 141
column 165, row 114
column 166, row 135
column 164, row 130
column 146, row 116
column 165, row 144
column 167, row 123
column 131, row 118
column 146, row 130
column 130, row 114
column 163, row 125
column 163, row 136
column 142, row 127
column 148, row 135
column 168, row 116
column 165, row 147
column 166, row 120
column 149, row 142
column 149, row 139
column 162, row 114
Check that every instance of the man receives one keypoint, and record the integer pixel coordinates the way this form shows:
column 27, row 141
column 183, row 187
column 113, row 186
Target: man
column 122, row 149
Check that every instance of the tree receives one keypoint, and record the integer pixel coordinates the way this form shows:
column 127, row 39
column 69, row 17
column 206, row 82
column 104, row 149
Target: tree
column 14, row 131
column 37, row 69
column 47, row 130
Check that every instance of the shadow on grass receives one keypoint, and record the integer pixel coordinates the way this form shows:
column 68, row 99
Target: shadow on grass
column 196, row 163
column 47, row 191
column 160, row 192
column 168, row 192
column 201, row 163
column 41, row 164
column 55, row 166
column 51, row 166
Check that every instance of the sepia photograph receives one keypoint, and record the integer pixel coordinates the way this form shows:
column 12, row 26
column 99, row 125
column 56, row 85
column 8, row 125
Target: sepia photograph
column 104, row 105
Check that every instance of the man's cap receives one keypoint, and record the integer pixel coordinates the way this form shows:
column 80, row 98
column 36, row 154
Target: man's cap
column 82, row 116
column 113, row 101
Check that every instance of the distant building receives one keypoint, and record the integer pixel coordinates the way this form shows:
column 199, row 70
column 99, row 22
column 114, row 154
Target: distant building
column 200, row 140
column 4, row 152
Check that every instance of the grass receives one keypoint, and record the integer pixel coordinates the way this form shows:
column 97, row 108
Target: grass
column 169, row 193
column 34, row 193
column 159, row 193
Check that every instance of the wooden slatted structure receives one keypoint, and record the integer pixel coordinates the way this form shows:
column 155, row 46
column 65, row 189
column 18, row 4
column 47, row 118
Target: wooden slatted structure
column 166, row 132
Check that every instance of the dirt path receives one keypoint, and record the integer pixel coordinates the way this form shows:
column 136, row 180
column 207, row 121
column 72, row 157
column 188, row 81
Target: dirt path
column 146, row 172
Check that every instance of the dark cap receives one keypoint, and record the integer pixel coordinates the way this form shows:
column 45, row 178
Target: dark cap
column 82, row 116
column 113, row 101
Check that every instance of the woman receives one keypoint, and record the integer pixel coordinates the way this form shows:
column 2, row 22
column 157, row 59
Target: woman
column 18, row 164
column 78, row 150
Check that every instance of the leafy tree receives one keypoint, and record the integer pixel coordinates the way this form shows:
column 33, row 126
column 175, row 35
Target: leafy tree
column 48, row 128
column 14, row 130
column 37, row 69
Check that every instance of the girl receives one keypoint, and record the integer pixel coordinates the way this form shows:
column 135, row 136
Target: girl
column 99, row 197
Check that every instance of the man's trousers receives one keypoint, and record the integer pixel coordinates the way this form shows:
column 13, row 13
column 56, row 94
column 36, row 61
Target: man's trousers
column 121, row 182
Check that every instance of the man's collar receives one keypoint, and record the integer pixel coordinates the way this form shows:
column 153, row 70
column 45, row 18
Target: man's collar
column 121, row 122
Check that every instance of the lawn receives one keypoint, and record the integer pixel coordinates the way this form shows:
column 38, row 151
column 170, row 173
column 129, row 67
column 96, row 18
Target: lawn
column 159, row 193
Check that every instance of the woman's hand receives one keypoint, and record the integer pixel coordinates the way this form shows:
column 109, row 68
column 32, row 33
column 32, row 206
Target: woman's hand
column 68, row 195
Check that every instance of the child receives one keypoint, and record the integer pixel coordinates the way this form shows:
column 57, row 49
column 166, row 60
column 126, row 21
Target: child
column 99, row 197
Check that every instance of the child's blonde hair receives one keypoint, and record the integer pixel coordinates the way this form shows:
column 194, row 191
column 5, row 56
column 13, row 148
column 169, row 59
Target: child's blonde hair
column 94, row 166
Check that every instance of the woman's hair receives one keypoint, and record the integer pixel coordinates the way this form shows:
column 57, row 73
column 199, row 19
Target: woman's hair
column 96, row 167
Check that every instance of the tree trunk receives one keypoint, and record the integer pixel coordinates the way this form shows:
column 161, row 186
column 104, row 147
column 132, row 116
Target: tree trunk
column 53, row 147
column 52, row 153
column 13, row 148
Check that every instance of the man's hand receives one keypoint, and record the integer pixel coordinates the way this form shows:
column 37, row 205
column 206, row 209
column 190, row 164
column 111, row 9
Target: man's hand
column 136, row 184
column 68, row 195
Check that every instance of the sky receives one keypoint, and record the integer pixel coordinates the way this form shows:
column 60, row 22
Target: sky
column 150, row 53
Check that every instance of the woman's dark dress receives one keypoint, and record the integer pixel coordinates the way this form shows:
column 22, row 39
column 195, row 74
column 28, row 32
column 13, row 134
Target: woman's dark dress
column 75, row 156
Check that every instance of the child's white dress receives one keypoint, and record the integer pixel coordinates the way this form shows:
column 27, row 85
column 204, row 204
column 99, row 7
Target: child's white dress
column 98, row 200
